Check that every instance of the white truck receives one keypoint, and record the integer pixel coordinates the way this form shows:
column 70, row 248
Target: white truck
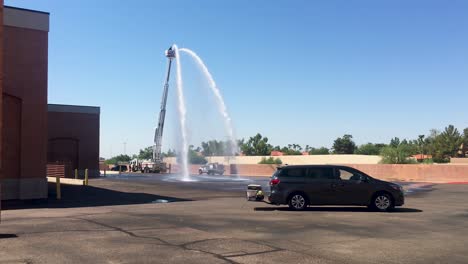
column 211, row 169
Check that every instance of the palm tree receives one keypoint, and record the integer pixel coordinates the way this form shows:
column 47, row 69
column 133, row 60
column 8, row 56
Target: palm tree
column 421, row 145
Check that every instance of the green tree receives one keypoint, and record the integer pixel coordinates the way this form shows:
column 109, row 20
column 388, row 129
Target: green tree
column 169, row 153
column 146, row 153
column 394, row 142
column 195, row 157
column 292, row 149
column 277, row 148
column 464, row 147
column 397, row 155
column 370, row 149
column 411, row 146
column 421, row 143
column 447, row 144
column 217, row 148
column 430, row 144
column 257, row 146
column 344, row 145
column 319, row 151
column 117, row 159
column 465, row 136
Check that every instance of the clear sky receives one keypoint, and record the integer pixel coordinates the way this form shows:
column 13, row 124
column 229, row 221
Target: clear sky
column 302, row 72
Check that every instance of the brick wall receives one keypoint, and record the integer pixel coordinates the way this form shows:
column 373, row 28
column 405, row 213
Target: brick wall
column 25, row 78
column 416, row 172
column 24, row 108
column 1, row 84
column 393, row 172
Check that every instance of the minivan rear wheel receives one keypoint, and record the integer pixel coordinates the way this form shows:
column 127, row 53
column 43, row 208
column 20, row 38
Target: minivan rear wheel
column 382, row 202
column 298, row 202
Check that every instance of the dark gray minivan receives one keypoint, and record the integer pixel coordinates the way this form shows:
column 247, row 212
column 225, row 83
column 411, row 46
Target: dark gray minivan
column 303, row 185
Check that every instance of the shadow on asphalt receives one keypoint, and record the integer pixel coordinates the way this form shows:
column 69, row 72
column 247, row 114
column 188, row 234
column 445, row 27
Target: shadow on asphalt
column 86, row 196
column 337, row 209
column 3, row 236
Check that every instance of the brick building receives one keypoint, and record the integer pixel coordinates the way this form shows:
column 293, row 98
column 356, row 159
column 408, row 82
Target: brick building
column 73, row 137
column 33, row 133
column 24, row 103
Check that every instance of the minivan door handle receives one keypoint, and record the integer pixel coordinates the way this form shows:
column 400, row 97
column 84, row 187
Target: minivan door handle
column 334, row 185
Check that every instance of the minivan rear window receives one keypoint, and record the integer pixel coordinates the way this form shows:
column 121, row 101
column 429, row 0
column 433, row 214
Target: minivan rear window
column 321, row 173
column 293, row 172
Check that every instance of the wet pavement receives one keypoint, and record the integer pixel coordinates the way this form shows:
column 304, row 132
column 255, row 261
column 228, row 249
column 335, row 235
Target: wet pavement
column 233, row 183
column 212, row 182
column 125, row 219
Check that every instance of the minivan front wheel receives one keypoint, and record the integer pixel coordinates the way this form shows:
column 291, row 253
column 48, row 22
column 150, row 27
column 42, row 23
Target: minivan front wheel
column 297, row 202
column 382, row 202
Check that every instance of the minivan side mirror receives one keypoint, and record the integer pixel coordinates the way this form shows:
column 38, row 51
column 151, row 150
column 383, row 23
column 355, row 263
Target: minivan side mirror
column 364, row 178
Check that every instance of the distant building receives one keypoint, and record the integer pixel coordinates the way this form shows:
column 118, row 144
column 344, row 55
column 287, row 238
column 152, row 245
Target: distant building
column 276, row 153
column 421, row 157
column 305, row 153
column 73, row 137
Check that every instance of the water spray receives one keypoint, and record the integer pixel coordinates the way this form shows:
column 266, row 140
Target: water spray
column 173, row 53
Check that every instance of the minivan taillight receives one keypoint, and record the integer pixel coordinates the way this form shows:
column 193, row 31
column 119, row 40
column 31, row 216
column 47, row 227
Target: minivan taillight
column 274, row 181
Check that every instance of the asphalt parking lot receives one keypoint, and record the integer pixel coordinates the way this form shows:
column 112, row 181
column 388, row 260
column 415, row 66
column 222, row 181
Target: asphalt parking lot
column 120, row 220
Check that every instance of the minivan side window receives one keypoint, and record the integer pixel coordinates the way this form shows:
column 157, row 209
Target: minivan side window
column 348, row 175
column 293, row 172
column 321, row 173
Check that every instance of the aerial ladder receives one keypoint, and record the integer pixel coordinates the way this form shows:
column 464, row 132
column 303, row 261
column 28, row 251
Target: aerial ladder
column 158, row 164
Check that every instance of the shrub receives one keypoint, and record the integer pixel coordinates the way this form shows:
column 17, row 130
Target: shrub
column 270, row 160
column 427, row 161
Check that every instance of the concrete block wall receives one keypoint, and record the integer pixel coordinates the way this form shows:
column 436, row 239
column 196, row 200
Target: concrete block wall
column 459, row 161
column 416, row 172
column 391, row 172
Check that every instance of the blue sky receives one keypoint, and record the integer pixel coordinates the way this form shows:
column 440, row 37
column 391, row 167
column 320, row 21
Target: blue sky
column 302, row 72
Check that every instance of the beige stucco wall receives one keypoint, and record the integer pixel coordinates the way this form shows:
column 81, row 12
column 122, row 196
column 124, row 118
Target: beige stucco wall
column 459, row 160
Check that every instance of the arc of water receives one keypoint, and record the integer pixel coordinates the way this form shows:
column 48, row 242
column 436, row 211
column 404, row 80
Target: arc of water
column 182, row 111
column 219, row 99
